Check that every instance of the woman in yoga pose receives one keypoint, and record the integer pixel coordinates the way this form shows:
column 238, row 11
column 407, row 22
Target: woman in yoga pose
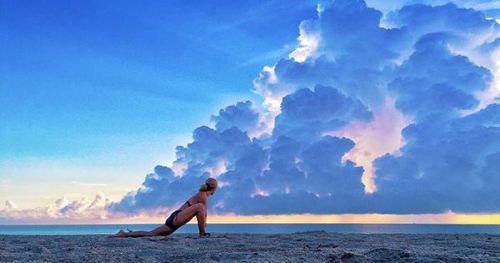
column 194, row 206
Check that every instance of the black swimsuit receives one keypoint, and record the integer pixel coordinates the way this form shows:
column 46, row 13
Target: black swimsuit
column 170, row 220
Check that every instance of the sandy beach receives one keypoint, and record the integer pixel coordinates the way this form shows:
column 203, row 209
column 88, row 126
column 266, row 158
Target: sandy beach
column 298, row 247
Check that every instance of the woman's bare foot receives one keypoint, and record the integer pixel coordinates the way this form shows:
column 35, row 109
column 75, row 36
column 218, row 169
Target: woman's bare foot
column 120, row 233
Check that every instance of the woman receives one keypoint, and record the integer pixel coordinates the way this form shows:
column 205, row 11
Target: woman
column 194, row 206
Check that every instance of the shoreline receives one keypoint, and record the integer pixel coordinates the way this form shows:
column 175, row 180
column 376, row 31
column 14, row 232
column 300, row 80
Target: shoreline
column 103, row 229
column 310, row 246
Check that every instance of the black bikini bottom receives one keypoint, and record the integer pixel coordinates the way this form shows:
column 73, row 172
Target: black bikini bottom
column 170, row 219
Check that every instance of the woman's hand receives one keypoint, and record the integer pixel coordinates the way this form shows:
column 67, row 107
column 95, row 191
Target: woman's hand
column 205, row 235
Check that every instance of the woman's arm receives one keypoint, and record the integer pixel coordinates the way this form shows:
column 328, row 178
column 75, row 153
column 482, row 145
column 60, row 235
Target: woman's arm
column 206, row 218
column 204, row 200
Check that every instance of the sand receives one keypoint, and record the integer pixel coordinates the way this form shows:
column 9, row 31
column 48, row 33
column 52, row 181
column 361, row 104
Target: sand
column 317, row 246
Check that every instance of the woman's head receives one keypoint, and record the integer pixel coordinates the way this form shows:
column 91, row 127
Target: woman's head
column 209, row 186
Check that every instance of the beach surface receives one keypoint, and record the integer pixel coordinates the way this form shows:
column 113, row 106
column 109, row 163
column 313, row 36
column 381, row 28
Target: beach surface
column 317, row 246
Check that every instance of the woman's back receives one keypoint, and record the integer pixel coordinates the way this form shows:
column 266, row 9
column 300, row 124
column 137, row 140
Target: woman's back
column 196, row 198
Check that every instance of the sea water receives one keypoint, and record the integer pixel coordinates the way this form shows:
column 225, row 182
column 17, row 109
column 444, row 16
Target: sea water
column 106, row 229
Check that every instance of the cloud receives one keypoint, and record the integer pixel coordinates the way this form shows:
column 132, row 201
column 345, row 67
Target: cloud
column 444, row 165
column 243, row 116
column 445, row 161
column 487, row 6
column 297, row 175
column 10, row 205
column 350, row 44
column 62, row 210
column 253, row 169
column 360, row 118
column 435, row 83
column 309, row 38
column 306, row 114
column 212, row 152
column 374, row 139
column 420, row 19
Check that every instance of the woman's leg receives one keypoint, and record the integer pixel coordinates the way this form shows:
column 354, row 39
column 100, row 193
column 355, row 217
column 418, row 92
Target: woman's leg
column 198, row 210
column 162, row 230
column 159, row 231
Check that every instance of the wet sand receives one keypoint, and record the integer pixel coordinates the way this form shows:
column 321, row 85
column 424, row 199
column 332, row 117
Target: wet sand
column 317, row 246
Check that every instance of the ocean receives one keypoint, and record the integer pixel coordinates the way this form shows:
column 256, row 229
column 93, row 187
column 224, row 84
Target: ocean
column 252, row 228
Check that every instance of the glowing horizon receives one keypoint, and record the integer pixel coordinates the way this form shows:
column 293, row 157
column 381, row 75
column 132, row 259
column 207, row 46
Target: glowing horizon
column 443, row 218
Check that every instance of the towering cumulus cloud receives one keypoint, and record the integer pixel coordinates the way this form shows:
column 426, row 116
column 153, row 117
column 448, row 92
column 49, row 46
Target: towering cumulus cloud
column 372, row 112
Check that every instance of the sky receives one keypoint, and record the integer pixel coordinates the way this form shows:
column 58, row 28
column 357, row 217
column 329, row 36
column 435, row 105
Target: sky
column 376, row 111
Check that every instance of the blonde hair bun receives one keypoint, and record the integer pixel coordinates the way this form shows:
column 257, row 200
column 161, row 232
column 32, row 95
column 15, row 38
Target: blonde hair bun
column 209, row 184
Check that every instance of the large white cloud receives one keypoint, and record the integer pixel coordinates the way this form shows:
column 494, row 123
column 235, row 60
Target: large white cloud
column 411, row 83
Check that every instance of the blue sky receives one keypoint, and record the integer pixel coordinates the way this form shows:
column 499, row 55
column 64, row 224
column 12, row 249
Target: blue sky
column 75, row 73
column 305, row 101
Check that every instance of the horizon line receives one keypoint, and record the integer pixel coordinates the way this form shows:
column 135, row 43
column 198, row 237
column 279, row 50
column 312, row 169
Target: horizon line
column 446, row 218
